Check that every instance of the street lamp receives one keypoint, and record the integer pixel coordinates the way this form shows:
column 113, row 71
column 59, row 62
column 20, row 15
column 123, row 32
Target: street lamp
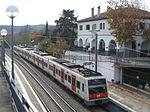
column 3, row 34
column 89, row 50
column 95, row 33
column 12, row 12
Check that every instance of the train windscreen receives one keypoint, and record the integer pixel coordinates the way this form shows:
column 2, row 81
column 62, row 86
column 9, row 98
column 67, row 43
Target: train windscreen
column 97, row 88
column 96, row 82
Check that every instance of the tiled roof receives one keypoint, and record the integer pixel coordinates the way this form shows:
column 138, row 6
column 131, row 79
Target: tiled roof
column 94, row 18
column 144, row 15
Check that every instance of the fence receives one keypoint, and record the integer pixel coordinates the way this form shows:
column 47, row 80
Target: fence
column 21, row 102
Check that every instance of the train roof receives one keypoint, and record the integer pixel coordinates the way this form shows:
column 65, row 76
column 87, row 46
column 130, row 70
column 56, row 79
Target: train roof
column 78, row 68
column 85, row 72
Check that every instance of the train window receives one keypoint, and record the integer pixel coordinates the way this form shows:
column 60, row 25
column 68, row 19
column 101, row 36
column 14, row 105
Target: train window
column 69, row 78
column 59, row 72
column 82, row 87
column 50, row 67
column 45, row 64
column 66, row 77
column 78, row 84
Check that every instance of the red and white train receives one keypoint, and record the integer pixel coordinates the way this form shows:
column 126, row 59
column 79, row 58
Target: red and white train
column 86, row 84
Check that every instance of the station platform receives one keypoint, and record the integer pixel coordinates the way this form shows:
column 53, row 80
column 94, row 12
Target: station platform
column 134, row 99
column 24, row 88
column 131, row 98
column 5, row 98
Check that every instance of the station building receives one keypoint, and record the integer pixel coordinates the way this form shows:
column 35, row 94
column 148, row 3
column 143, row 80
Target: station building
column 133, row 67
column 106, row 42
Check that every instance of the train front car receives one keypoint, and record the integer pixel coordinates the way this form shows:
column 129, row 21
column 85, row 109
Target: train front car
column 97, row 91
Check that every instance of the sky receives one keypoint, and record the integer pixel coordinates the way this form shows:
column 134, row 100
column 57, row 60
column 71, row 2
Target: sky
column 34, row 12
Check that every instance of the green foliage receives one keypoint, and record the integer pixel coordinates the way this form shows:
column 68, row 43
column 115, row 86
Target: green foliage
column 66, row 25
column 43, row 45
column 51, row 47
column 37, row 36
column 23, row 37
column 61, row 47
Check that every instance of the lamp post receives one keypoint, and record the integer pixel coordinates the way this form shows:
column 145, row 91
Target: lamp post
column 89, row 51
column 95, row 33
column 3, row 34
column 12, row 12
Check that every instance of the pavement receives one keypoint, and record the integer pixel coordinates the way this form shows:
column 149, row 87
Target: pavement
column 134, row 99
column 6, row 104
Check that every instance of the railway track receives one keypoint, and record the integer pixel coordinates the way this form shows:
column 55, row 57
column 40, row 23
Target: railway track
column 45, row 92
column 70, row 98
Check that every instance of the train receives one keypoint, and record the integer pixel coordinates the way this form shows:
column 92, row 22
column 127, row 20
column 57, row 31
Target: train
column 87, row 84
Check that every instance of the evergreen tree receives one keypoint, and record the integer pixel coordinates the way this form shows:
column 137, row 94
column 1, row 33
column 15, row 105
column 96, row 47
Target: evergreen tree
column 46, row 30
column 66, row 26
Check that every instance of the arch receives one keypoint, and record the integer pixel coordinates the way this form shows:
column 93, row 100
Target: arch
column 101, row 45
column 145, row 45
column 112, row 45
column 80, row 42
column 145, row 48
column 93, row 43
column 87, row 42
column 130, row 49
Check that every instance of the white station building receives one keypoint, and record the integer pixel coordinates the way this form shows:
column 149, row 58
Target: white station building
column 106, row 42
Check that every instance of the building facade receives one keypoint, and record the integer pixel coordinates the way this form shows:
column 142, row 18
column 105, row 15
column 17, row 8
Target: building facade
column 106, row 42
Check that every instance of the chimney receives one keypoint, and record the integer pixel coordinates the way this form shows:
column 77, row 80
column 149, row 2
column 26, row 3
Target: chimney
column 92, row 12
column 98, row 10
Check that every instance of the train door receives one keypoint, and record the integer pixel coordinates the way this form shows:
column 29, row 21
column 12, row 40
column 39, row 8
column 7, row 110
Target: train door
column 34, row 59
column 28, row 56
column 54, row 69
column 43, row 64
column 38, row 61
column 62, row 75
column 73, row 83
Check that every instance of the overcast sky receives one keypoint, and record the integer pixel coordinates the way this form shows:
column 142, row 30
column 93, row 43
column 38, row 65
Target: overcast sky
column 34, row 12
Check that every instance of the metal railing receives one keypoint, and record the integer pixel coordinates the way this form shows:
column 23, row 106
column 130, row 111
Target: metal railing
column 22, row 103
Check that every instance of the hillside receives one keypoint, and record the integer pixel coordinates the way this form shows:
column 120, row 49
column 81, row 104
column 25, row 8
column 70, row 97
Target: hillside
column 37, row 27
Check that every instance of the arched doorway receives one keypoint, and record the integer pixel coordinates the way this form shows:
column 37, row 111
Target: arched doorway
column 93, row 45
column 112, row 47
column 101, row 47
column 80, row 42
column 145, row 48
column 130, row 49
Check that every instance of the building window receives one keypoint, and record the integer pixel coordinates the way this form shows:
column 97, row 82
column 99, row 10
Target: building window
column 81, row 27
column 101, row 26
column 94, row 27
column 87, row 27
